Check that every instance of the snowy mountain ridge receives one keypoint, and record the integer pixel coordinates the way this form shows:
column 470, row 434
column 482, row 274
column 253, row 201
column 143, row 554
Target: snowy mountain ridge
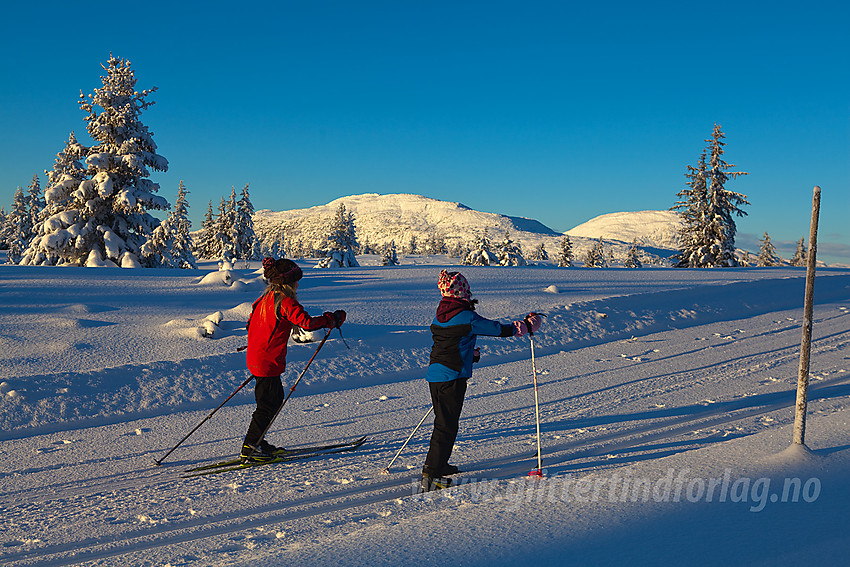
column 405, row 217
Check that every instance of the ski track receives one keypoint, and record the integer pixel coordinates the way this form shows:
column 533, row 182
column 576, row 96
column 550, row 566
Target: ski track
column 615, row 397
column 604, row 449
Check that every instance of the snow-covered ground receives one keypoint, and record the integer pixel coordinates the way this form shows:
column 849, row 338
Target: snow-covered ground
column 666, row 403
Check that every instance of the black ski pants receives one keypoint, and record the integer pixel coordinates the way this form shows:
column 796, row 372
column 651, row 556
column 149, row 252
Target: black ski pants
column 447, row 398
column 268, row 391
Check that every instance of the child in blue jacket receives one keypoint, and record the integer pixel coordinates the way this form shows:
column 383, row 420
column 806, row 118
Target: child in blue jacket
column 454, row 330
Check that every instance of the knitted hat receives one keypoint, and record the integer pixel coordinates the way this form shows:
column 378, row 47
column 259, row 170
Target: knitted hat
column 453, row 284
column 281, row 271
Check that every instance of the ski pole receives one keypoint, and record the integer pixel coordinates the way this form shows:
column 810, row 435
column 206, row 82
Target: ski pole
column 539, row 471
column 427, row 413
column 292, row 389
column 245, row 383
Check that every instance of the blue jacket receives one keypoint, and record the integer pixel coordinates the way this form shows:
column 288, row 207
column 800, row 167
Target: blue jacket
column 454, row 330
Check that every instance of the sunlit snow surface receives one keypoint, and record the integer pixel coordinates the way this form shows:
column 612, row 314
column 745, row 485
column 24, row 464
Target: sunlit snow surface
column 666, row 409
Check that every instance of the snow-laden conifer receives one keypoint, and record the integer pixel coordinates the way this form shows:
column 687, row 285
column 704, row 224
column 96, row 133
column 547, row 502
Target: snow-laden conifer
column 275, row 244
column 801, row 254
column 539, row 252
column 35, row 201
column 390, row 257
column 224, row 248
column 707, row 209
column 565, row 257
column 510, row 254
column 633, row 256
column 341, row 242
column 170, row 245
column 480, row 254
column 595, row 257
column 245, row 246
column 767, row 253
column 107, row 221
column 205, row 243
column 49, row 245
column 3, row 244
column 17, row 229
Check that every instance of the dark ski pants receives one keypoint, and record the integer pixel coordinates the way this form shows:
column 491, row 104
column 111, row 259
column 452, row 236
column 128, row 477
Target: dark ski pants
column 447, row 398
column 268, row 391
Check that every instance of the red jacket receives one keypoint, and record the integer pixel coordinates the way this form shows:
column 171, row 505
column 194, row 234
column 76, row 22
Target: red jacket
column 268, row 335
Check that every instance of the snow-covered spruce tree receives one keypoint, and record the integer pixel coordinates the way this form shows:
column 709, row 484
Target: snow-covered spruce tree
column 480, row 254
column 224, row 229
column 274, row 246
column 108, row 222
column 767, row 253
column 801, row 254
column 390, row 257
column 341, row 242
column 708, row 238
column 565, row 258
column 49, row 243
column 510, row 254
column 633, row 256
column 3, row 244
column 595, row 257
column 540, row 253
column 170, row 245
column 457, row 249
column 35, row 201
column 17, row 229
column 693, row 212
column 245, row 245
column 205, row 242
column 434, row 244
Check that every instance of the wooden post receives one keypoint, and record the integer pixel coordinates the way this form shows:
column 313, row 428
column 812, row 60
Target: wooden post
column 806, row 346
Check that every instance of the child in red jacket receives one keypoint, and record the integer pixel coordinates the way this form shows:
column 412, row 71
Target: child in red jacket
column 269, row 326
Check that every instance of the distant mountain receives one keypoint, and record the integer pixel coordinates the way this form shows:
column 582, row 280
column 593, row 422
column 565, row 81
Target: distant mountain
column 658, row 229
column 400, row 218
column 403, row 218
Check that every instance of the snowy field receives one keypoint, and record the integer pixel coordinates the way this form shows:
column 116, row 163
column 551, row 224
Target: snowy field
column 666, row 404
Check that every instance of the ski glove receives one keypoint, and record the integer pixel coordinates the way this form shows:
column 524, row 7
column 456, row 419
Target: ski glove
column 521, row 327
column 335, row 319
column 476, row 354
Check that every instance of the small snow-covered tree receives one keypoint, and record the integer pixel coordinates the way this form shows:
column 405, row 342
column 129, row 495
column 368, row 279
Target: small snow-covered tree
column 49, row 245
column 595, row 257
column 510, row 254
column 170, row 245
column 801, row 254
column 390, row 258
column 767, row 253
column 224, row 246
column 35, row 201
column 244, row 239
column 565, row 258
column 633, row 256
column 434, row 244
column 457, row 249
column 205, row 244
column 274, row 245
column 341, row 241
column 17, row 229
column 480, row 254
column 107, row 221
column 3, row 244
column 540, row 252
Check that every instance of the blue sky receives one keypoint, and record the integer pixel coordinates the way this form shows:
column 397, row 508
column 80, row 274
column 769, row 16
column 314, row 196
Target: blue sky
column 557, row 111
